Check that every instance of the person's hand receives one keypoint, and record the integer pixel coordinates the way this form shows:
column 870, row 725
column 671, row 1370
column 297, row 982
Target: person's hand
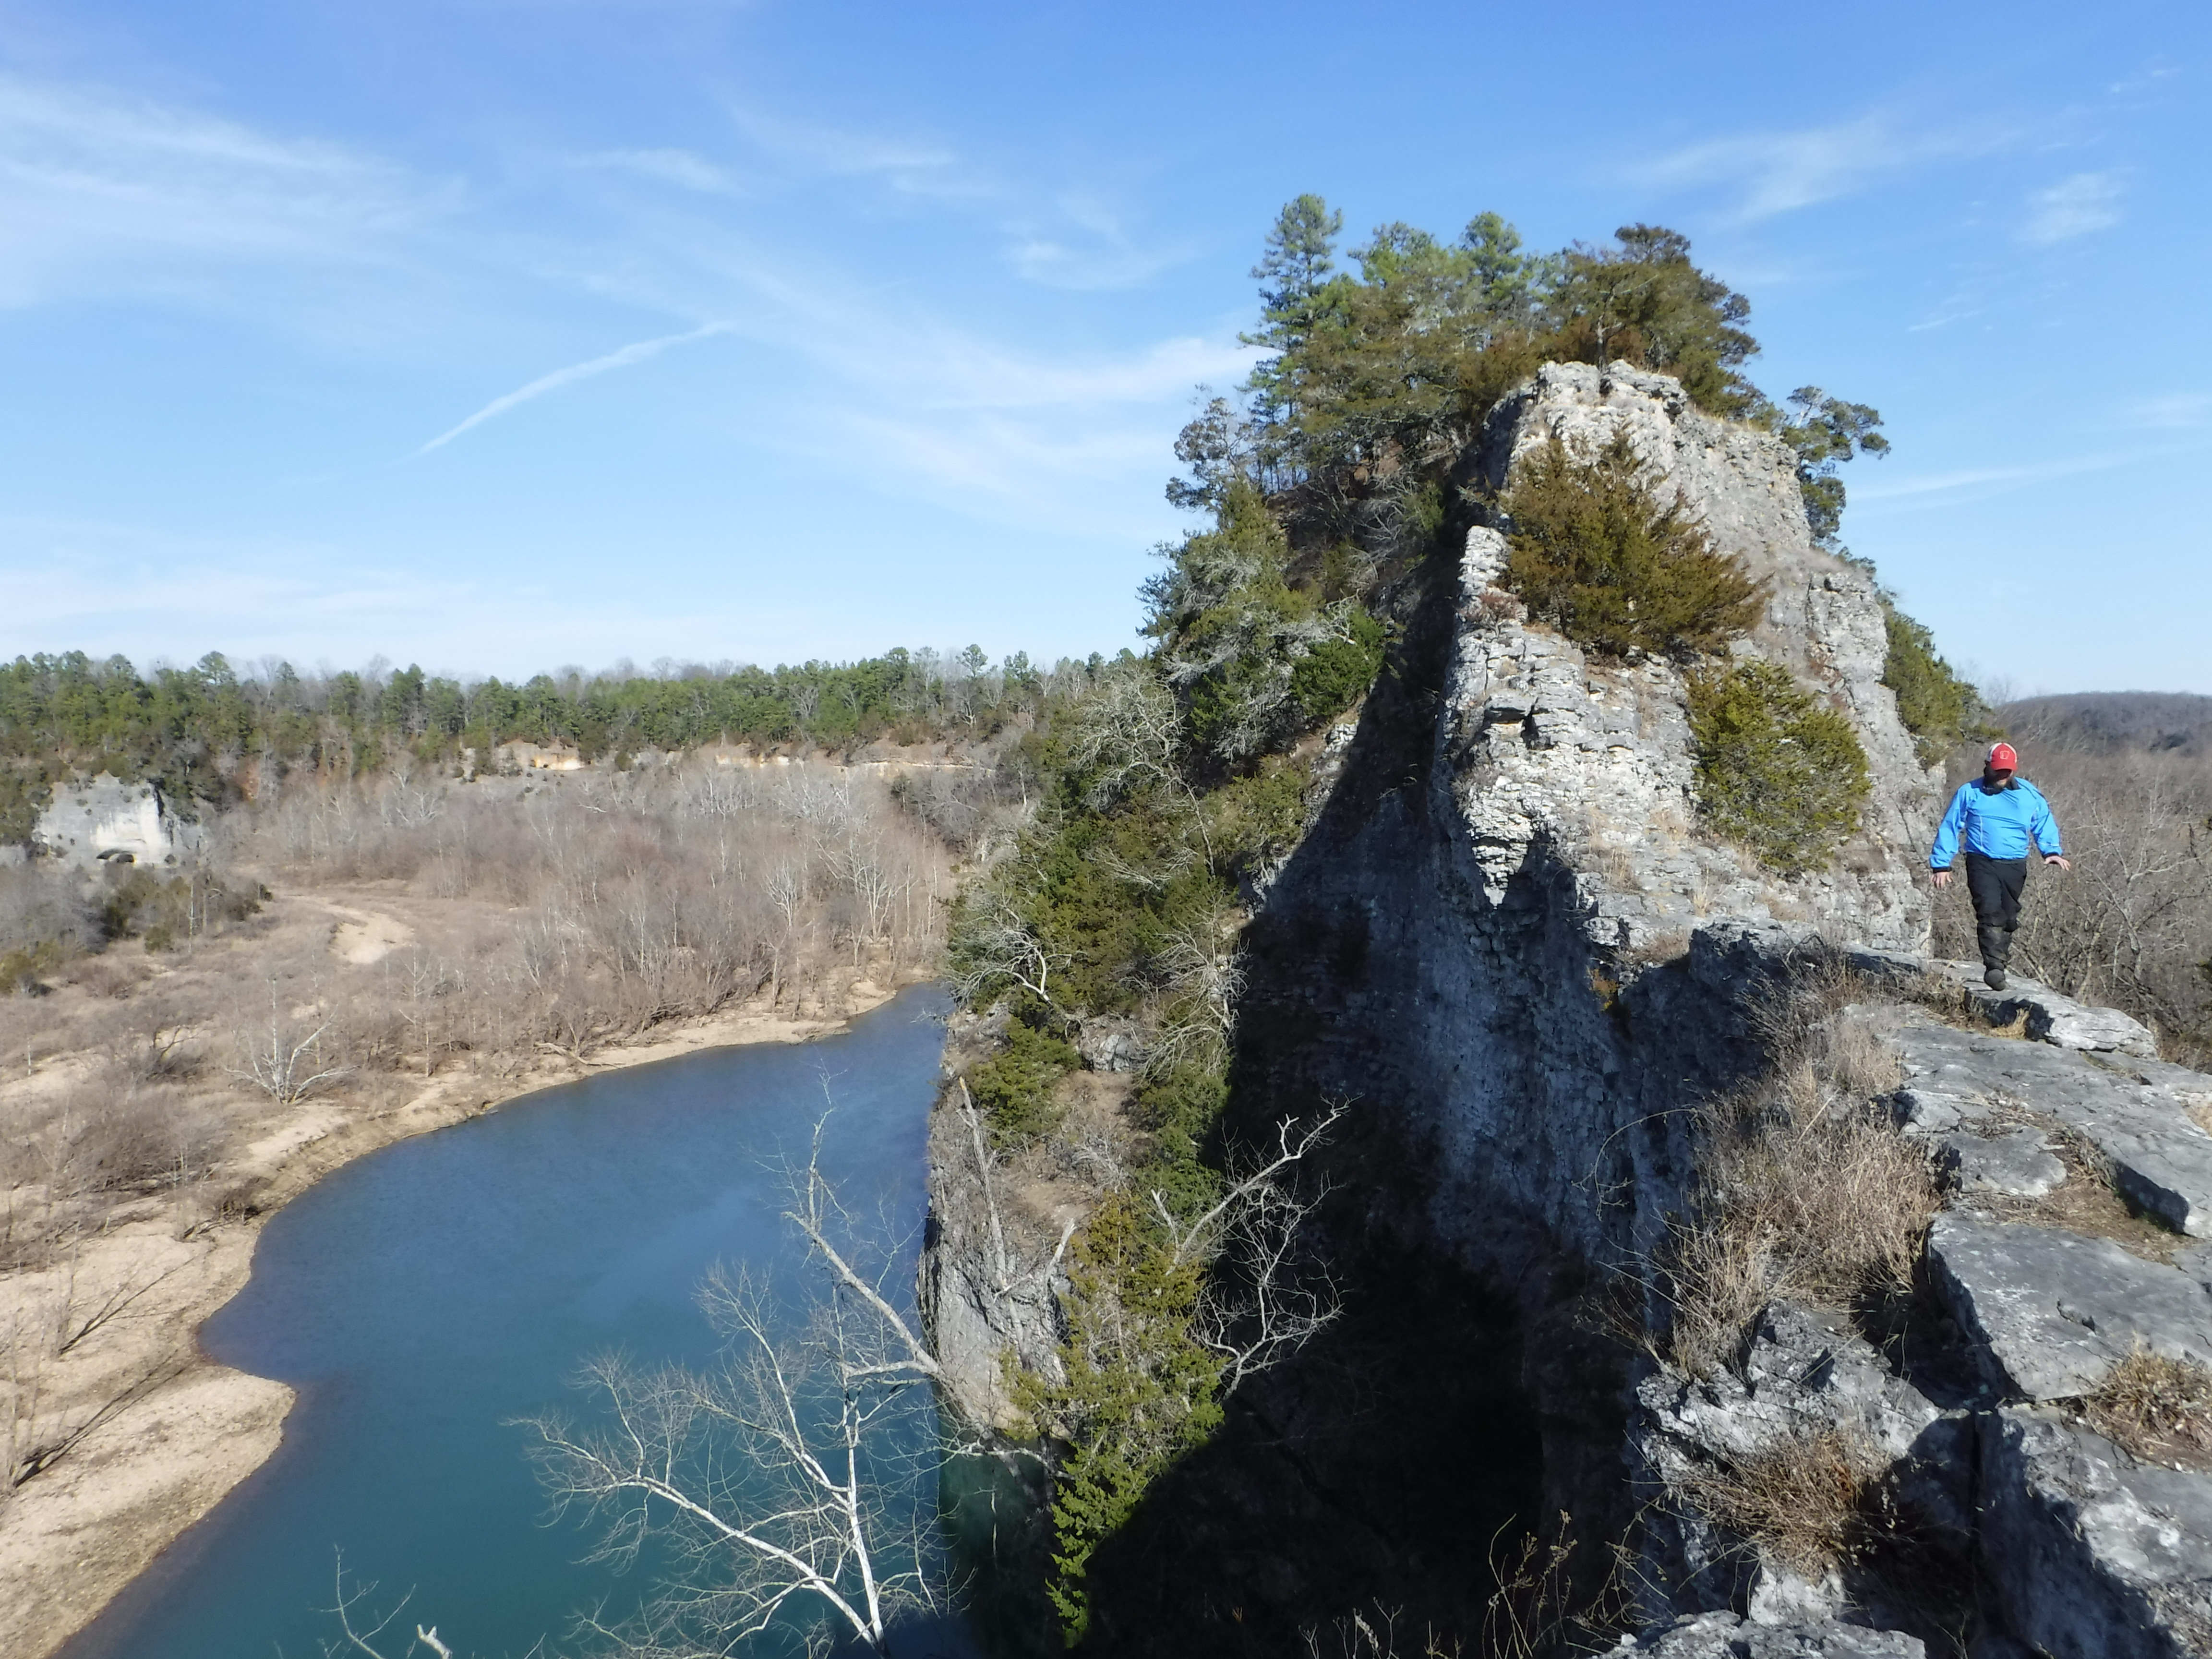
column 1943, row 878
column 2061, row 862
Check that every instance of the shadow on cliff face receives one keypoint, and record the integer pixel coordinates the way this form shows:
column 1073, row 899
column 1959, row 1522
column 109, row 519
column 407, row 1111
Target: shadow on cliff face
column 1385, row 1464
column 1380, row 1465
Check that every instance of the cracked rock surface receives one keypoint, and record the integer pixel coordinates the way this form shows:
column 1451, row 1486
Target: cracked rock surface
column 2050, row 1313
column 2092, row 1553
column 2017, row 1164
column 2138, row 1119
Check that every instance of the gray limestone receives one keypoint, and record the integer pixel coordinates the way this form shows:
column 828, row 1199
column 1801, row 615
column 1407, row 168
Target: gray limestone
column 2051, row 1017
column 1111, row 1045
column 2196, row 1261
column 2015, row 1164
column 1725, row 1636
column 1806, row 1366
column 2051, row 1313
column 2091, row 1554
column 1614, row 783
column 103, row 820
column 2160, row 1156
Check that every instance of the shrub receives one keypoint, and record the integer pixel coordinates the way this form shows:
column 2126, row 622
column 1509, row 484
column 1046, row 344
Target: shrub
column 1776, row 769
column 25, row 789
column 1595, row 554
column 1336, row 673
column 1801, row 1500
column 1137, row 1388
column 1257, row 819
column 1014, row 1087
column 1939, row 709
column 24, row 970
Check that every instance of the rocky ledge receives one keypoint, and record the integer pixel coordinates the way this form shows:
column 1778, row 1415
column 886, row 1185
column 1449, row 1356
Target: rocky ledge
column 2076, row 1178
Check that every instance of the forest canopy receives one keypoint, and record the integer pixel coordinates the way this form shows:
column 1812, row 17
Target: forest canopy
column 188, row 729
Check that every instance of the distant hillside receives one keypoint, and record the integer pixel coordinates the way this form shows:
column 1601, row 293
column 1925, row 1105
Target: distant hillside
column 2170, row 722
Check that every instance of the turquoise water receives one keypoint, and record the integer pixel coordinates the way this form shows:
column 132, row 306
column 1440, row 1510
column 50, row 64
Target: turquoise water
column 423, row 1295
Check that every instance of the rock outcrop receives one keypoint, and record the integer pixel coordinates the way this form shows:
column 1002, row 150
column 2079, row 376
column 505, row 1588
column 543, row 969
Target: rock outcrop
column 103, row 820
column 1506, row 939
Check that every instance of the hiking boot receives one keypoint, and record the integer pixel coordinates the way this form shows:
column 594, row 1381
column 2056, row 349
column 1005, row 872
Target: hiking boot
column 1994, row 979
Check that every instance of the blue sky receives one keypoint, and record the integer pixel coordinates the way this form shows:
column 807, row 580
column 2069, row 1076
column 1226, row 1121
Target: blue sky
column 498, row 335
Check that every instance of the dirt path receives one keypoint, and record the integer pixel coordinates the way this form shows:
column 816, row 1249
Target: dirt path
column 178, row 1431
column 364, row 937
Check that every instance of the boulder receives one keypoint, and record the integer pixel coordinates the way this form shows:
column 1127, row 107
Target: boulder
column 2050, row 1313
column 1111, row 1045
column 2091, row 1555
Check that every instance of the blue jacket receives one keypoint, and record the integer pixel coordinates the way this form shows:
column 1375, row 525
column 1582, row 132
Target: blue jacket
column 1997, row 826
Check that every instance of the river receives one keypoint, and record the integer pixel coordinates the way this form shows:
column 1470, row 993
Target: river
column 422, row 1297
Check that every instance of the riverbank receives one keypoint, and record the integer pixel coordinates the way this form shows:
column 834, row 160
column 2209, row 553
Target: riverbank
column 163, row 1433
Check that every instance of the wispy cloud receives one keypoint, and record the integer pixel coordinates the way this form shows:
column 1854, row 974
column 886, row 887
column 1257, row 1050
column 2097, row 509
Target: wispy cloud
column 2073, row 207
column 680, row 168
column 1778, row 171
column 1083, row 243
column 964, row 410
column 249, row 595
column 1974, row 483
column 1059, row 238
column 623, row 358
column 93, row 177
column 921, row 166
column 2177, row 410
column 1940, row 483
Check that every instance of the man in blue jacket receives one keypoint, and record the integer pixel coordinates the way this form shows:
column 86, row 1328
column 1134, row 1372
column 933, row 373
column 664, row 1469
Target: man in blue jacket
column 1999, row 817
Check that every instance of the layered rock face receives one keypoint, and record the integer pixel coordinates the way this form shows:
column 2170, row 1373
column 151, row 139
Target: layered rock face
column 1547, row 751
column 1504, row 939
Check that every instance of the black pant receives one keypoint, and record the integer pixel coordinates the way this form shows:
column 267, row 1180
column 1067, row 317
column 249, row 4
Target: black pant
column 1996, row 886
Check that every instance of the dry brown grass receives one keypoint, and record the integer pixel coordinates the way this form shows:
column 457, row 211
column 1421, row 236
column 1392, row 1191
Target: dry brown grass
column 1860, row 1063
column 1826, row 1204
column 1804, row 1187
column 2088, row 1201
column 1657, row 951
column 1800, row 1501
column 2156, row 1409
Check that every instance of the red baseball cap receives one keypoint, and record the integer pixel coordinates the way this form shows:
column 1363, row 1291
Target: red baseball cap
column 2001, row 759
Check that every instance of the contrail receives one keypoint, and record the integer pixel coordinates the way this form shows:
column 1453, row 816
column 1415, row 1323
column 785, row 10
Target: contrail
column 570, row 376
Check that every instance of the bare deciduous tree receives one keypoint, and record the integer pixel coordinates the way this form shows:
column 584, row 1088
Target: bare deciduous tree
column 1259, row 1302
column 358, row 1635
column 790, row 1482
column 287, row 1065
column 997, row 942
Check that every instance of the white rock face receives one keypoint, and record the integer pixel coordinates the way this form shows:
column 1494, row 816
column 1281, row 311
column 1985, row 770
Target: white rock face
column 103, row 818
column 1549, row 744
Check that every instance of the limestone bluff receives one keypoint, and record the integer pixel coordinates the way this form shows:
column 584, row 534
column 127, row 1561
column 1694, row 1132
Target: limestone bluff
column 1504, row 939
